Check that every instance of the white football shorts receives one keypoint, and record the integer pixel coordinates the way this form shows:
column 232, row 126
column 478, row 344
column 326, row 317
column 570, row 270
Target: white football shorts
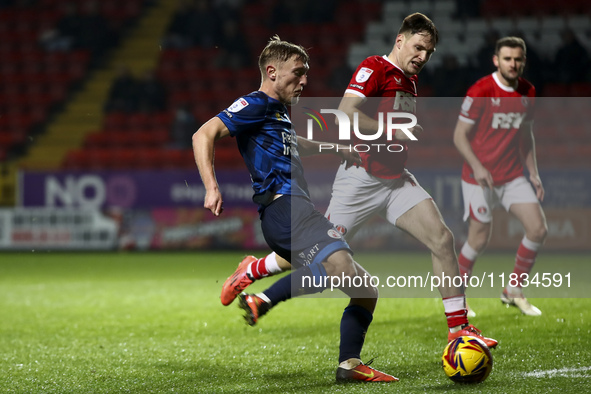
column 357, row 195
column 479, row 202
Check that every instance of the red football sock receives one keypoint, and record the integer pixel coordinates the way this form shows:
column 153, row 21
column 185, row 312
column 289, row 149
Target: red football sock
column 525, row 259
column 466, row 260
column 455, row 311
column 258, row 269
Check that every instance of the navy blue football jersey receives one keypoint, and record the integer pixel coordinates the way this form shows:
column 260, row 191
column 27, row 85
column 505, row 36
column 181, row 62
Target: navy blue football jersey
column 268, row 144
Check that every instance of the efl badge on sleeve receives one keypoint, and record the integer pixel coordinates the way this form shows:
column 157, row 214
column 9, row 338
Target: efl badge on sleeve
column 363, row 74
column 238, row 105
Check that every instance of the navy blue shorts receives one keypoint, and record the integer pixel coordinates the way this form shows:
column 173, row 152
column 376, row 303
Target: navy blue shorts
column 296, row 231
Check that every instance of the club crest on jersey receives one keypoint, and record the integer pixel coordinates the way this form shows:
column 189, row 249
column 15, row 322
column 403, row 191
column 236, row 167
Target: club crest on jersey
column 496, row 102
column 363, row 74
column 341, row 229
column 482, row 210
column 334, row 233
column 525, row 101
column 398, row 81
column 238, row 105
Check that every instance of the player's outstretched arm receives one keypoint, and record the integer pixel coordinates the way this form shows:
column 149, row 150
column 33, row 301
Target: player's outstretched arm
column 529, row 159
column 203, row 150
column 462, row 143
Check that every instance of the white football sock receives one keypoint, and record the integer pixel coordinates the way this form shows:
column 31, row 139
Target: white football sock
column 350, row 363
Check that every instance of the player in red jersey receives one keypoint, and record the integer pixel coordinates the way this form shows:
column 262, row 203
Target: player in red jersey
column 494, row 135
column 382, row 185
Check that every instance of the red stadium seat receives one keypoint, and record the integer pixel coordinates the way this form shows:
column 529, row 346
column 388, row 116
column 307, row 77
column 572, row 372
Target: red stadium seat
column 580, row 89
column 75, row 160
column 161, row 120
column 149, row 139
column 180, row 98
column 100, row 158
column 149, row 158
column 203, row 113
column 14, row 137
column 115, row 121
column 227, row 157
column 40, row 79
column 555, row 90
column 125, row 158
column 192, row 57
column 95, row 140
column 140, row 121
column 175, row 158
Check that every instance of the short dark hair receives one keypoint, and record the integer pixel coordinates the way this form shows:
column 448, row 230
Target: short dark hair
column 511, row 42
column 418, row 23
column 282, row 51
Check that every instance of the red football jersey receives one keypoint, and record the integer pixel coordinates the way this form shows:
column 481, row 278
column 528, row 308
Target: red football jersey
column 497, row 111
column 377, row 76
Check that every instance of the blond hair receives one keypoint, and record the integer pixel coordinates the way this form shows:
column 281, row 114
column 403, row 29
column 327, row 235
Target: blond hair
column 280, row 51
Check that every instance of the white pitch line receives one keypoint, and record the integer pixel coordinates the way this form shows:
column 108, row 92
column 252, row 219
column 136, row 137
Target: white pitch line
column 562, row 372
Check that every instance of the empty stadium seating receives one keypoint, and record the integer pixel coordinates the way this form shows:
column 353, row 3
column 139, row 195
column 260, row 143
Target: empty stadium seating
column 33, row 82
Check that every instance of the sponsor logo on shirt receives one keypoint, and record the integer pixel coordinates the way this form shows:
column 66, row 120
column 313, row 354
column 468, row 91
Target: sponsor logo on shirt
column 363, row 74
column 406, row 102
column 507, row 121
column 308, row 256
column 238, row 105
column 289, row 144
column 354, row 85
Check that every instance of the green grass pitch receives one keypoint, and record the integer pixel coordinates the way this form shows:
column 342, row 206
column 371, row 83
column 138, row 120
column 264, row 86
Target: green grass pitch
column 153, row 323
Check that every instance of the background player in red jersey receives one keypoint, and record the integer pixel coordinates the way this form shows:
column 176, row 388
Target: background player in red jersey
column 494, row 135
column 382, row 185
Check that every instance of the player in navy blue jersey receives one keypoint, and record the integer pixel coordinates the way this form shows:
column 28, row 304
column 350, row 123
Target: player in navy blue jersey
column 291, row 226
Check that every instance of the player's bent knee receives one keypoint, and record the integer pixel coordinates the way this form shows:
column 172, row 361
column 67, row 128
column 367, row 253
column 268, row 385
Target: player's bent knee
column 539, row 234
column 443, row 240
column 360, row 289
column 373, row 293
column 478, row 242
column 340, row 263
